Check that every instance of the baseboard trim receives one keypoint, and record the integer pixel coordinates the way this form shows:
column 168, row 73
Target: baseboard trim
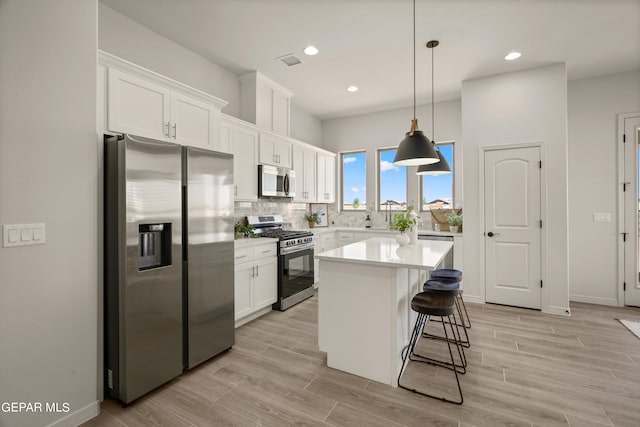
column 554, row 309
column 593, row 300
column 253, row 316
column 78, row 417
column 472, row 298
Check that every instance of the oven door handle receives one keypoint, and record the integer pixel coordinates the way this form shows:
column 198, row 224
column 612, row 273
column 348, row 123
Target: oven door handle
column 288, row 251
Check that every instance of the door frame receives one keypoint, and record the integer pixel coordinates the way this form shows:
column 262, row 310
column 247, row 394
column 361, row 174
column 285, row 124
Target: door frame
column 621, row 207
column 543, row 212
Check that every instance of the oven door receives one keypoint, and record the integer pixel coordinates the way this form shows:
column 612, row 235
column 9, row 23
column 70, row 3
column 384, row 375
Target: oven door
column 296, row 272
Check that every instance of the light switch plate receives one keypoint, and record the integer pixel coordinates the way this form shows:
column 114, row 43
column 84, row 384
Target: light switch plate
column 23, row 235
column 601, row 217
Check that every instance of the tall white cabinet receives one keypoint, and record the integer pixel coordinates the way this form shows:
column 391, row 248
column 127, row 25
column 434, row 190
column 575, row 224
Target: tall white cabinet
column 326, row 175
column 242, row 140
column 265, row 103
column 304, row 165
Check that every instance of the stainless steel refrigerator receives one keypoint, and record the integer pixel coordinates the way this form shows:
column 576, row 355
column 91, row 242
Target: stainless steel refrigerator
column 168, row 261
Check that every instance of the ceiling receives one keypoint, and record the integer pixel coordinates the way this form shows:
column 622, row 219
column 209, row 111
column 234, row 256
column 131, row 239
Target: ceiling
column 368, row 43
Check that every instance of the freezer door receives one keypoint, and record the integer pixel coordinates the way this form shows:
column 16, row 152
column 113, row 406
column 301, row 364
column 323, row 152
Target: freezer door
column 208, row 191
column 143, row 265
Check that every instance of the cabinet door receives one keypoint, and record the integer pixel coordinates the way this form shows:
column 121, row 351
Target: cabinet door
column 267, row 150
column 192, row 121
column 265, row 291
column 309, row 175
column 137, row 106
column 243, row 290
column 299, row 166
column 321, row 182
column 283, row 153
column 264, row 106
column 245, row 165
column 330, row 178
column 225, row 137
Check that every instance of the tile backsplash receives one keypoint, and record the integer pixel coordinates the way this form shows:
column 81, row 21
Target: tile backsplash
column 294, row 214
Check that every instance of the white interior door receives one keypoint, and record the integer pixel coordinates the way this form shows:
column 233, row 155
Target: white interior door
column 631, row 207
column 513, row 227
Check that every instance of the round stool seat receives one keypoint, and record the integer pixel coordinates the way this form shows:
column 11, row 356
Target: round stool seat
column 447, row 273
column 440, row 285
column 434, row 303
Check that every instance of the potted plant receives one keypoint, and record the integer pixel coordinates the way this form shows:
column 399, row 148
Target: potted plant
column 455, row 221
column 312, row 219
column 241, row 230
column 401, row 223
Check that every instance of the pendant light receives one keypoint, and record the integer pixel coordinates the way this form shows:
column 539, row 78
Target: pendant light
column 441, row 167
column 415, row 149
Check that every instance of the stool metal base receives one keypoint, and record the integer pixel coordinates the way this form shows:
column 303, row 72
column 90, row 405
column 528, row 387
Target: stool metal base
column 421, row 321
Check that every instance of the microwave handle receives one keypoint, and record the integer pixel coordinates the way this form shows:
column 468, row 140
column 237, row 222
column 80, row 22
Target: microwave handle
column 286, row 184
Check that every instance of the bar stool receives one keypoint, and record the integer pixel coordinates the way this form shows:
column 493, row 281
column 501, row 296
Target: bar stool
column 446, row 285
column 453, row 275
column 432, row 304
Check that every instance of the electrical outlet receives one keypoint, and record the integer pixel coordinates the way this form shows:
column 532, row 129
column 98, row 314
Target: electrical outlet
column 601, row 217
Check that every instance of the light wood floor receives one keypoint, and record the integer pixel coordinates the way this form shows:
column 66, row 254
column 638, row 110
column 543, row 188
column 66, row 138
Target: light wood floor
column 525, row 368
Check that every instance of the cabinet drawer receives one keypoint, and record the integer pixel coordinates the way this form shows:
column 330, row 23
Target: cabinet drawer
column 265, row 251
column 243, row 254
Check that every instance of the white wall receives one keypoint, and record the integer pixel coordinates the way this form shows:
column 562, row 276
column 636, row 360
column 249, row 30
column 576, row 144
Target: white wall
column 387, row 129
column 129, row 40
column 525, row 106
column 593, row 182
column 305, row 127
column 48, row 173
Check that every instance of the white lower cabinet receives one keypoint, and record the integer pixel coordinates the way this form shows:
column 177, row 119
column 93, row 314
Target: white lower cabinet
column 256, row 280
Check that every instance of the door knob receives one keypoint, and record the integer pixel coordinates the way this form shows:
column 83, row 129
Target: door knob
column 491, row 234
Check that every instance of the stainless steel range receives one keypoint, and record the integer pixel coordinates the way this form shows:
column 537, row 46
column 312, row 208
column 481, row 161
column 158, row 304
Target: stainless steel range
column 295, row 259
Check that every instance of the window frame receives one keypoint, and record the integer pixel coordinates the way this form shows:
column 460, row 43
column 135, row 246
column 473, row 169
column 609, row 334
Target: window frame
column 341, row 155
column 453, row 176
column 378, row 186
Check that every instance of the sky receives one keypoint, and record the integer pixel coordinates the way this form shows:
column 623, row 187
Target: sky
column 393, row 179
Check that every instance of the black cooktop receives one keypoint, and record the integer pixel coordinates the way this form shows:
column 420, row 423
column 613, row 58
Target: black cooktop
column 285, row 234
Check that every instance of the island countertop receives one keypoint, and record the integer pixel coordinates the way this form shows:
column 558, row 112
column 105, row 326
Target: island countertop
column 383, row 251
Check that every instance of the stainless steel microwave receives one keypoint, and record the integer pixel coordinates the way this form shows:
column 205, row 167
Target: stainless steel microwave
column 276, row 182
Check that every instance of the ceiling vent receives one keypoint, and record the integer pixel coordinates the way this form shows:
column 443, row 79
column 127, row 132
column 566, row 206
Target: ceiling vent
column 290, row 60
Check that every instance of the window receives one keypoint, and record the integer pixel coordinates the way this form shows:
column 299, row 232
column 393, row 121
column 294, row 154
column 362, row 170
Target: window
column 437, row 190
column 392, row 182
column 354, row 181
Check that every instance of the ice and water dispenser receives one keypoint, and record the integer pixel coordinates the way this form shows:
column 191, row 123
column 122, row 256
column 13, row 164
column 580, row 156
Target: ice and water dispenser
column 154, row 246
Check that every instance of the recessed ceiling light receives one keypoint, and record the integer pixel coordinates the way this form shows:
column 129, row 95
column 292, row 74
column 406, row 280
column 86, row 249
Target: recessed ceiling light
column 512, row 55
column 352, row 88
column 310, row 50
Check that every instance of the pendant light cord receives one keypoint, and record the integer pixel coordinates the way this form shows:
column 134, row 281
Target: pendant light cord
column 414, row 59
column 433, row 108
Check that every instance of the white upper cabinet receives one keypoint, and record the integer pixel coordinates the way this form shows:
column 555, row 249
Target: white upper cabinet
column 274, row 150
column 304, row 164
column 243, row 141
column 193, row 122
column 265, row 103
column 144, row 103
column 326, row 174
column 137, row 106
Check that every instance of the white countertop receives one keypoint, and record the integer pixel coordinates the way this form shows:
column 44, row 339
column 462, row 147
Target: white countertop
column 426, row 254
column 257, row 241
column 423, row 232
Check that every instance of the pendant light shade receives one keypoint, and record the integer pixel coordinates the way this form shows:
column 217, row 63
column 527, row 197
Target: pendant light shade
column 415, row 149
column 440, row 168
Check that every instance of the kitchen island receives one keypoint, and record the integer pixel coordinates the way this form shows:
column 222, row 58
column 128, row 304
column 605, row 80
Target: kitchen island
column 364, row 312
